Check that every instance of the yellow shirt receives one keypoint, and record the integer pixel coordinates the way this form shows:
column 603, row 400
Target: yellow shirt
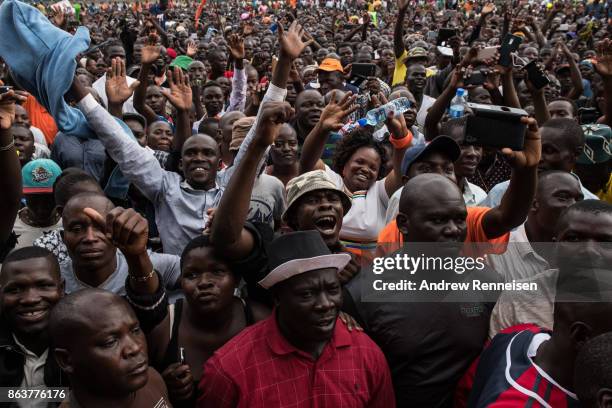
column 400, row 71
column 606, row 193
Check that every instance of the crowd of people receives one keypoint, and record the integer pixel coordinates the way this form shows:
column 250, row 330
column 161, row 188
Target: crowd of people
column 190, row 203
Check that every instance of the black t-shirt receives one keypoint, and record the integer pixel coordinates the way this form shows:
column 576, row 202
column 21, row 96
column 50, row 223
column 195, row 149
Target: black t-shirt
column 428, row 345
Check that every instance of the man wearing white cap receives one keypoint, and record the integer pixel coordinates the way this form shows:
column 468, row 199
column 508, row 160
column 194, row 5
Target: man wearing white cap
column 299, row 355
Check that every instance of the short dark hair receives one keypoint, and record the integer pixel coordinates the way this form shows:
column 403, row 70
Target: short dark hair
column 568, row 100
column 585, row 206
column 592, row 369
column 571, row 131
column 203, row 241
column 32, row 252
column 136, row 117
column 353, row 142
column 211, row 84
column 114, row 43
column 63, row 188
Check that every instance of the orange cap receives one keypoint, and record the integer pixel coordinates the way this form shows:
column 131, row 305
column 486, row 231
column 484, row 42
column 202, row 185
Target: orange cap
column 331, row 65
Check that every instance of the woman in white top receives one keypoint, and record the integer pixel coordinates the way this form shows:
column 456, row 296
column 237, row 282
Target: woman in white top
column 358, row 163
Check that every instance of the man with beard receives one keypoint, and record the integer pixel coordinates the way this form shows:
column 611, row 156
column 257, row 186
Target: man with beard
column 308, row 107
column 583, row 235
column 30, row 285
column 321, row 363
column 107, row 362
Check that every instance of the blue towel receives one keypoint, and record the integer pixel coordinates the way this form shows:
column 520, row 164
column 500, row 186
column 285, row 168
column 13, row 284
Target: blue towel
column 42, row 60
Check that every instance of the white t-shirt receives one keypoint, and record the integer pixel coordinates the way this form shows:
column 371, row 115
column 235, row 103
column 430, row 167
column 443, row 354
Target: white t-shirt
column 366, row 218
column 26, row 234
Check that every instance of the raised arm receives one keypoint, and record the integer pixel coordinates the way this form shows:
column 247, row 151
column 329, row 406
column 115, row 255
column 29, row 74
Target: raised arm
column 10, row 169
column 516, row 202
column 138, row 165
column 150, row 53
column 239, row 82
column 539, row 101
column 231, row 238
column 291, row 47
column 401, row 139
column 398, row 35
column 603, row 66
column 332, row 118
column 179, row 95
column 117, row 89
column 577, row 87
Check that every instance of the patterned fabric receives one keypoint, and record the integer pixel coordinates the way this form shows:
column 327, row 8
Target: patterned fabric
column 53, row 241
column 311, row 181
column 259, row 368
column 507, row 376
column 499, row 172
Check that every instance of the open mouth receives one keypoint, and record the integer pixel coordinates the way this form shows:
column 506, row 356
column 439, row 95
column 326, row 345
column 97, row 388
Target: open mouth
column 362, row 177
column 326, row 322
column 33, row 315
column 326, row 225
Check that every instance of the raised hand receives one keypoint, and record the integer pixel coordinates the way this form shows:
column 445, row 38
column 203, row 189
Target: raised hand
column 235, row 43
column 117, row 89
column 291, row 41
column 334, row 114
column 395, row 122
column 532, row 149
column 192, row 48
column 273, row 115
column 487, row 9
column 179, row 94
column 7, row 108
column 403, row 4
column 603, row 63
column 59, row 18
column 125, row 228
column 151, row 51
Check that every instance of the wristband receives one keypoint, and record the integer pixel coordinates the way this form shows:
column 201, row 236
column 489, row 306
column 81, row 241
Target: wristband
column 142, row 279
column 402, row 143
column 7, row 147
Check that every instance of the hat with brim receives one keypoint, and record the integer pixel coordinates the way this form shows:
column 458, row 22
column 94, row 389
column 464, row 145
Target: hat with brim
column 597, row 145
column 417, row 52
column 331, row 65
column 297, row 253
column 38, row 176
column 182, row 61
column 312, row 181
column 443, row 144
column 446, row 51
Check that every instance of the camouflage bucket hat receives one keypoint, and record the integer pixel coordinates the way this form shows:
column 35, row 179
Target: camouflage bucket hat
column 597, row 147
column 312, row 181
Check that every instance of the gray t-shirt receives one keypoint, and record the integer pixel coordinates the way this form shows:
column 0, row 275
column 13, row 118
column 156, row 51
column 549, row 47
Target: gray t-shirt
column 168, row 267
column 267, row 200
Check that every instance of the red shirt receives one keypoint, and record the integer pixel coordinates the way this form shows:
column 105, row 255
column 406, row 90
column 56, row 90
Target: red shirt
column 259, row 368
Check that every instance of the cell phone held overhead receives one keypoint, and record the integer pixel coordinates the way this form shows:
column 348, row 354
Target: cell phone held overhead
column 495, row 126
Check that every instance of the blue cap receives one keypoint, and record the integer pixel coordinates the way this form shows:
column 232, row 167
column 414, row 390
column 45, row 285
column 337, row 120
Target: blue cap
column 363, row 122
column 460, row 91
column 39, row 175
column 443, row 144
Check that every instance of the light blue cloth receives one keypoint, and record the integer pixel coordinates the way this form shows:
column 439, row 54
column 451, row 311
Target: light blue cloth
column 42, row 59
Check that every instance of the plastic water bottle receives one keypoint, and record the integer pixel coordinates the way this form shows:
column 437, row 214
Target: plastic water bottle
column 380, row 114
column 349, row 127
column 458, row 104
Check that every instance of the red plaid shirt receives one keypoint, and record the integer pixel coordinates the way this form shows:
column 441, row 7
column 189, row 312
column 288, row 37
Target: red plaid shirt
column 259, row 368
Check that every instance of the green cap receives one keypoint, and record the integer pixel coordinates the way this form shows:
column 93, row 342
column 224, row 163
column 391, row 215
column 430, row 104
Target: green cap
column 182, row 61
column 597, row 144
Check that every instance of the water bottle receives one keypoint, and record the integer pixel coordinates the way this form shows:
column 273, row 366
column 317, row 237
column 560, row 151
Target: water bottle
column 458, row 104
column 349, row 127
column 380, row 114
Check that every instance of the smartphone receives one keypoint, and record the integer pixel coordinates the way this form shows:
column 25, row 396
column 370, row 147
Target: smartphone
column 444, row 34
column 361, row 72
column 274, row 27
column 486, row 53
column 538, row 78
column 495, row 126
column 477, row 78
column 5, row 88
column 563, row 27
column 510, row 44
